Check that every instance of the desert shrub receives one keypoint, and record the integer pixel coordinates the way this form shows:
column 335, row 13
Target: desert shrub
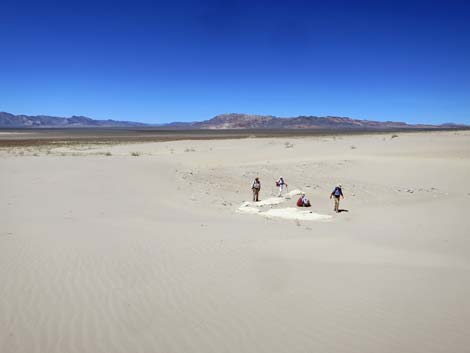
column 353, row 147
column 394, row 136
column 135, row 154
column 288, row 144
column 108, row 154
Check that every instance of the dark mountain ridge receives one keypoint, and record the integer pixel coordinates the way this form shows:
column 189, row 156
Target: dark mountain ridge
column 248, row 121
column 220, row 122
column 43, row 121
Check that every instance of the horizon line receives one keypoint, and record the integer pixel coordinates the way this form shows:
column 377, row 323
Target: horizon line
column 230, row 113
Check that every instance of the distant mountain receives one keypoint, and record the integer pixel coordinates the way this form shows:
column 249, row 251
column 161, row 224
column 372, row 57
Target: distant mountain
column 247, row 121
column 219, row 122
column 43, row 121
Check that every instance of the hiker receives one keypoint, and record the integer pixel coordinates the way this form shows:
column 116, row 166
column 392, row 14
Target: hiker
column 256, row 187
column 280, row 183
column 303, row 201
column 337, row 193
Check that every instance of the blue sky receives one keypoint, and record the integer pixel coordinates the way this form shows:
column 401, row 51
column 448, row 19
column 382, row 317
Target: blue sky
column 167, row 61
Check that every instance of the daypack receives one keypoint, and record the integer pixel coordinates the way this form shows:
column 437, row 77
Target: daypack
column 300, row 203
column 337, row 192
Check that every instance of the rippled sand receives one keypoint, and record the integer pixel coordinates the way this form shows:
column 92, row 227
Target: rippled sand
column 141, row 248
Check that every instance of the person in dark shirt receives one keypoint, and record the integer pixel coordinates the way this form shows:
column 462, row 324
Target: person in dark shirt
column 337, row 194
column 256, row 187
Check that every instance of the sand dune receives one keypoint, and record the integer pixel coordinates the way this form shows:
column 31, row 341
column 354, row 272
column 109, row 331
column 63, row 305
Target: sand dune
column 143, row 248
column 273, row 212
column 295, row 214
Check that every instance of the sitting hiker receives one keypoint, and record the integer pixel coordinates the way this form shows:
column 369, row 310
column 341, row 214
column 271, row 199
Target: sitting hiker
column 337, row 193
column 303, row 201
column 280, row 183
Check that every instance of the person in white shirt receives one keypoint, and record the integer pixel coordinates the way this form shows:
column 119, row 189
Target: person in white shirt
column 303, row 201
column 280, row 183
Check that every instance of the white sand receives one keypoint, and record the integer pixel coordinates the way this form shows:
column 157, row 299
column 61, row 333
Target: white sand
column 268, row 202
column 295, row 214
column 292, row 213
column 151, row 253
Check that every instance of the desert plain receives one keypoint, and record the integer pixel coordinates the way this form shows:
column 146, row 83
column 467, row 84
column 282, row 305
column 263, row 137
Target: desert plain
column 144, row 246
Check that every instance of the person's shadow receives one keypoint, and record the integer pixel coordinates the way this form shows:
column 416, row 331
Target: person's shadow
column 342, row 210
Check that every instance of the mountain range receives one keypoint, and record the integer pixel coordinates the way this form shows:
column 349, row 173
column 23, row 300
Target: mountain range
column 223, row 121
column 248, row 121
column 44, row 121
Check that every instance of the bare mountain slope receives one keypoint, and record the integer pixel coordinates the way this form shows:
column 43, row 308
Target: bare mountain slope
column 248, row 121
column 11, row 120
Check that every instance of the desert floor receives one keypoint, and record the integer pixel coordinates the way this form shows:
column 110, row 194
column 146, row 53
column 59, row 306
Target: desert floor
column 141, row 247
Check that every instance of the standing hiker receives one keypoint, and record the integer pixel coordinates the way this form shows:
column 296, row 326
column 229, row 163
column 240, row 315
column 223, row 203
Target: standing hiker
column 256, row 187
column 337, row 193
column 280, row 183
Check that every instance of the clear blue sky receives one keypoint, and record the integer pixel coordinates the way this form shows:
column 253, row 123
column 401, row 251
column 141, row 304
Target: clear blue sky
column 190, row 60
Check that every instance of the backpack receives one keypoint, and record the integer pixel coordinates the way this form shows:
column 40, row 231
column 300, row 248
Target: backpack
column 300, row 203
column 337, row 192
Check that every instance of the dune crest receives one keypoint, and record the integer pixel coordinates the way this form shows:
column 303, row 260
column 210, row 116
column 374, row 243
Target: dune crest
column 291, row 213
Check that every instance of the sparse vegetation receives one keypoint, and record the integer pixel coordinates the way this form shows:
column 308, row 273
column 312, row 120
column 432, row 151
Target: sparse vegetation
column 353, row 147
column 108, row 154
column 191, row 149
column 287, row 144
column 135, row 154
column 394, row 136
